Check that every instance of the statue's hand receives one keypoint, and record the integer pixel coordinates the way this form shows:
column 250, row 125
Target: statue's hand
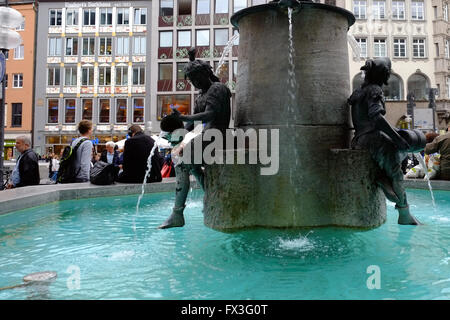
column 176, row 112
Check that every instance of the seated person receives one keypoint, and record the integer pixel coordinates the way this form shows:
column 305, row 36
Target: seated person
column 136, row 152
column 26, row 171
column 110, row 155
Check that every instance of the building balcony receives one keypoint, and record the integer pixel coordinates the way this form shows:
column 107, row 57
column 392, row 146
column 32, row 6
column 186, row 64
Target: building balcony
column 441, row 65
column 440, row 27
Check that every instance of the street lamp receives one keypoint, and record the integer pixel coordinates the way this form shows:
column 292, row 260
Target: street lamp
column 9, row 19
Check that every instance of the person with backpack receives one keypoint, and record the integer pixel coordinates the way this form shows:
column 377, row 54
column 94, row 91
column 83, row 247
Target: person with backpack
column 75, row 165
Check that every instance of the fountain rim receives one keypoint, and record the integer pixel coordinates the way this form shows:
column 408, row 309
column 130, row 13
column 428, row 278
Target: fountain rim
column 275, row 6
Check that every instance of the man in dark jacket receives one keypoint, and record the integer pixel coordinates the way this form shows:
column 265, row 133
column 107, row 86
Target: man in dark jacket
column 110, row 155
column 26, row 171
column 136, row 152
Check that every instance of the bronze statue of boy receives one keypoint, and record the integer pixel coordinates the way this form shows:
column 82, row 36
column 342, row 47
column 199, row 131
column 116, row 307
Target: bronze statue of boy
column 373, row 132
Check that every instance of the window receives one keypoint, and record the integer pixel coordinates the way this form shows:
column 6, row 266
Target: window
column 258, row 2
column 140, row 45
column 87, row 105
column 18, row 80
column 54, row 46
column 417, row 10
column 203, row 6
column 87, row 76
column 181, row 102
column 399, row 48
column 52, row 110
column 235, row 69
column 122, row 48
column 398, row 10
column 140, row 16
column 103, row 110
column 55, row 17
column 71, row 46
column 122, row 76
column 165, row 71
column 104, row 76
column 72, row 17
column 70, row 76
column 220, row 37
column 105, row 47
column 359, row 9
column 379, row 46
column 221, row 6
column 121, row 110
column 445, row 9
column 394, row 89
column 202, row 38
column 89, row 17
column 419, row 48
column 22, row 26
column 448, row 88
column 88, row 47
column 239, row 5
column 184, row 38
column 69, row 110
column 18, row 52
column 165, row 39
column 106, row 16
column 53, row 78
column 180, row 70
column 447, row 49
column 362, row 46
column 16, row 115
column 123, row 16
column 138, row 110
column 138, row 75
column 436, row 45
column 379, row 9
column 418, row 85
column 184, row 7
column 166, row 8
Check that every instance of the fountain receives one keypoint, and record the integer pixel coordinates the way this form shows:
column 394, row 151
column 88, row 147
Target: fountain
column 327, row 183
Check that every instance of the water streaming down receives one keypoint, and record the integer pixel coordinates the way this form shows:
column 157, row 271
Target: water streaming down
column 355, row 47
column 226, row 52
column 425, row 170
column 149, row 168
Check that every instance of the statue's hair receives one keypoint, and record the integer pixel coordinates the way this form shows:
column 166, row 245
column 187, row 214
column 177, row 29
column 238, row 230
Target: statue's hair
column 197, row 65
column 376, row 69
column 170, row 123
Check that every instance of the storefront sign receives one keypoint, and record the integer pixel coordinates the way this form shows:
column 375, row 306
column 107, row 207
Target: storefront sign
column 120, row 128
column 51, row 128
column 69, row 128
column 103, row 127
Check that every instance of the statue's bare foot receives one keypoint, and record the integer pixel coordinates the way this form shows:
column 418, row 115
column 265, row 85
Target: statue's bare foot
column 406, row 218
column 176, row 219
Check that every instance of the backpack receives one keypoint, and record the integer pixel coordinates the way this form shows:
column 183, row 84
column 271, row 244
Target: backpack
column 103, row 173
column 67, row 170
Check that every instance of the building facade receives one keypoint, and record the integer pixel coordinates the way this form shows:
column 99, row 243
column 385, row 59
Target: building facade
column 93, row 61
column 20, row 79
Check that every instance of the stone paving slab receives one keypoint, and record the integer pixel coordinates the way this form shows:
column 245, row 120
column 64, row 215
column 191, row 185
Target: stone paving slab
column 27, row 197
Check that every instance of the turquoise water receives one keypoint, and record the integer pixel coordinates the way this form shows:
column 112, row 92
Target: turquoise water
column 96, row 238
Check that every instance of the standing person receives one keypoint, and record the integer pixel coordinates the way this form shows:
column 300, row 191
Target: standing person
column 136, row 152
column 441, row 144
column 84, row 152
column 55, row 167
column 26, row 171
column 373, row 133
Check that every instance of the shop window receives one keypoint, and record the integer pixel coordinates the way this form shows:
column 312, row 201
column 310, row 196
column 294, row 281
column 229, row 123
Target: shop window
column 104, row 110
column 69, row 110
column 181, row 102
column 138, row 110
column 87, row 105
column 53, row 109
column 121, row 110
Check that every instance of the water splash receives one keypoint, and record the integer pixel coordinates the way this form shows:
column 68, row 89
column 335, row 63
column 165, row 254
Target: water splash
column 226, row 52
column 425, row 170
column 301, row 244
column 149, row 168
column 355, row 47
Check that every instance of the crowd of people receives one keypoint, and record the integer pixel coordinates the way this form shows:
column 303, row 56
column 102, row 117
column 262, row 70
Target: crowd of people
column 130, row 163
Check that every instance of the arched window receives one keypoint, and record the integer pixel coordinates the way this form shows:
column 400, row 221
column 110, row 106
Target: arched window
column 357, row 81
column 394, row 89
column 418, row 85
